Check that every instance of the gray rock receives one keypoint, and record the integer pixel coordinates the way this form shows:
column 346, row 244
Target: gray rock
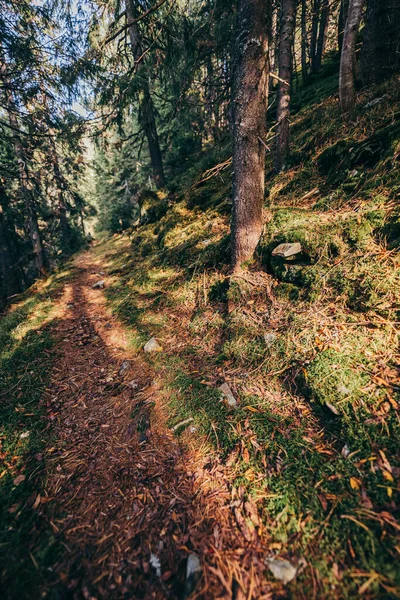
column 182, row 424
column 193, row 574
column 227, row 394
column 125, row 366
column 332, row 408
column 269, row 338
column 134, row 384
column 152, row 346
column 345, row 451
column 287, row 250
column 282, row 569
column 99, row 285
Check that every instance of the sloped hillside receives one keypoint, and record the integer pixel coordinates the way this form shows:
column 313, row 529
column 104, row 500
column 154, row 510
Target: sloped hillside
column 308, row 346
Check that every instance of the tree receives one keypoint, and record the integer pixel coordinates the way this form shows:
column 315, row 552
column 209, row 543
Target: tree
column 10, row 271
column 146, row 109
column 319, row 27
column 343, row 12
column 304, row 70
column 25, row 181
column 316, row 6
column 286, row 37
column 346, row 73
column 249, row 127
column 321, row 41
column 380, row 53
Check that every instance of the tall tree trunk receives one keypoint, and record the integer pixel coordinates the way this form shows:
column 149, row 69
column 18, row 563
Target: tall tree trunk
column 304, row 70
column 314, row 32
column 286, row 36
column 26, row 188
column 249, row 127
column 146, row 108
column 380, row 52
column 343, row 12
column 323, row 27
column 346, row 73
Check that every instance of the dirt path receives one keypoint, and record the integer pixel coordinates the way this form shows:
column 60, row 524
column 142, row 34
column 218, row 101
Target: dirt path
column 129, row 504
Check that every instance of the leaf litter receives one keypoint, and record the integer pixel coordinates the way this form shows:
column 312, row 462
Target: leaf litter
column 137, row 515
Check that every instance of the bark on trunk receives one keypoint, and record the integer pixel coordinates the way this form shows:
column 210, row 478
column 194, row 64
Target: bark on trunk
column 249, row 128
column 323, row 27
column 380, row 52
column 346, row 73
column 287, row 27
column 343, row 12
column 146, row 107
column 304, row 70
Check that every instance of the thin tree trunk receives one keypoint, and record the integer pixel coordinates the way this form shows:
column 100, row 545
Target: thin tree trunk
column 146, row 107
column 343, row 12
column 304, row 70
column 323, row 27
column 286, row 36
column 314, row 32
column 249, row 127
column 346, row 73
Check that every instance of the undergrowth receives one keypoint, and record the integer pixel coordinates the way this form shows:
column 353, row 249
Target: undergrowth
column 27, row 353
column 308, row 348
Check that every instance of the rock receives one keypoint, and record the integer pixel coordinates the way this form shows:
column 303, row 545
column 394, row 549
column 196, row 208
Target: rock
column 19, row 479
column 134, row 384
column 287, row 250
column 332, row 408
column 126, row 365
column 152, row 346
column 345, row 451
column 99, row 285
column 182, row 424
column 24, row 435
column 228, row 395
column 156, row 564
column 269, row 338
column 282, row 569
column 193, row 574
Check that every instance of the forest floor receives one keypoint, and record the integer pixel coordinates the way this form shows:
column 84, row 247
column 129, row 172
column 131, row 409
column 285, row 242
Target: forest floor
column 132, row 510
column 121, row 468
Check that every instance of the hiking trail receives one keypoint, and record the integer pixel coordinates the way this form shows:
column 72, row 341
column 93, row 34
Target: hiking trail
column 134, row 509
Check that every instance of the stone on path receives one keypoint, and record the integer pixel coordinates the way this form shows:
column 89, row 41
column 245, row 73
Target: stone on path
column 193, row 574
column 282, row 569
column 287, row 250
column 126, row 365
column 99, row 285
column 152, row 346
column 228, row 395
